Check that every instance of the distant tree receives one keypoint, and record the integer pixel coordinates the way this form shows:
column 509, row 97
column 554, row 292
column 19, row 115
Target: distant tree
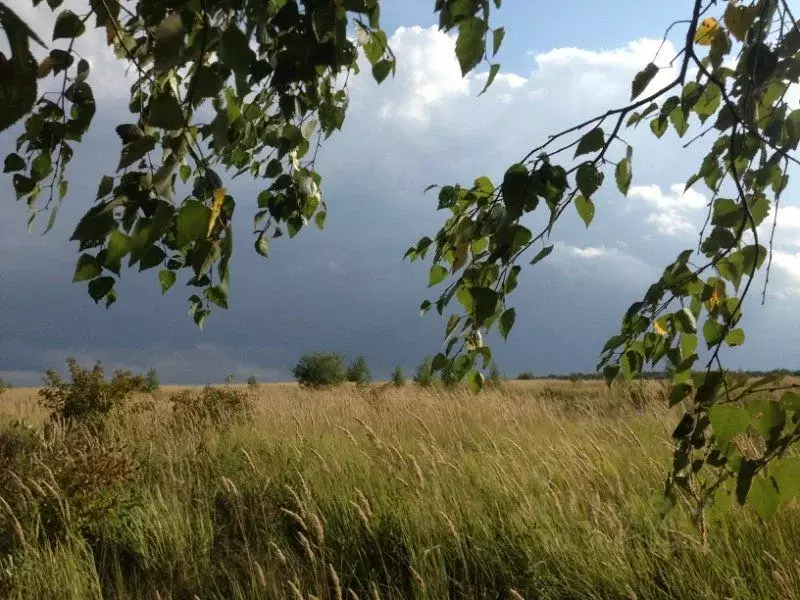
column 526, row 375
column 495, row 378
column 358, row 372
column 424, row 375
column 398, row 379
column 4, row 385
column 252, row 382
column 150, row 383
column 320, row 369
column 448, row 377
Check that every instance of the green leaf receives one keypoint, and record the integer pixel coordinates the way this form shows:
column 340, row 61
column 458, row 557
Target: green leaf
column 493, row 70
column 591, row 142
column 589, row 179
column 136, row 150
column 623, row 174
column 767, row 417
column 191, row 222
column 262, row 244
column 105, row 187
column 484, row 305
column 713, row 332
column 791, row 401
column 185, row 172
column 685, row 321
column 497, row 39
column 381, row 69
column 319, row 219
column 543, row 253
column 41, row 166
column 658, row 126
column 119, row 245
column 763, row 497
column 152, row 257
column 168, row 43
column 13, row 162
column 94, row 226
column 739, row 18
column 235, row 52
column 217, row 295
column 475, row 381
column 165, row 112
column 709, row 102
column 437, row 275
column 642, row 80
column 787, row 478
column 87, row 268
column 735, row 337
column 507, row 322
column 728, row 422
column 68, row 25
column 166, row 279
column 98, row 288
column 585, row 209
column 679, row 122
column 470, row 43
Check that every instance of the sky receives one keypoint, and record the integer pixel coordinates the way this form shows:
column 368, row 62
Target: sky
column 346, row 288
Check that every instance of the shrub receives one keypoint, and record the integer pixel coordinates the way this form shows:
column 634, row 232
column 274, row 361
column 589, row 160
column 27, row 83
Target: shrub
column 358, row 372
column 398, row 379
column 252, row 382
column 150, row 383
column 213, row 404
column 319, row 370
column 424, row 375
column 229, row 378
column 89, row 397
column 68, row 481
column 447, row 377
column 4, row 385
column 495, row 378
column 526, row 375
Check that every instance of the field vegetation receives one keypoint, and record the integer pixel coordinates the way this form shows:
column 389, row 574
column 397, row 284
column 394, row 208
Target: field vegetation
column 532, row 489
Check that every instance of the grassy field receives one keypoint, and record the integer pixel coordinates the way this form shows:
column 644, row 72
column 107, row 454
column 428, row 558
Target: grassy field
column 536, row 490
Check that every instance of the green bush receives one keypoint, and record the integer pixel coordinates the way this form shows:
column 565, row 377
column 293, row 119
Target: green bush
column 448, row 377
column 424, row 375
column 525, row 376
column 398, row 379
column 358, row 372
column 495, row 378
column 150, row 382
column 320, row 370
column 214, row 404
column 88, row 397
column 252, row 382
column 4, row 385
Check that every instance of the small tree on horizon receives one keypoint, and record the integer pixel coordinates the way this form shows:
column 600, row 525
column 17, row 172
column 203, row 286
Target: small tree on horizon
column 358, row 372
column 398, row 379
column 319, row 370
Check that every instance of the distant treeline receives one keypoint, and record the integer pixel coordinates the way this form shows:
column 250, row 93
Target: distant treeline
column 527, row 375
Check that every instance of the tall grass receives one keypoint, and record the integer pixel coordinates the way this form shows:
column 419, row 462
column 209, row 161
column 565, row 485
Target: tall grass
column 532, row 490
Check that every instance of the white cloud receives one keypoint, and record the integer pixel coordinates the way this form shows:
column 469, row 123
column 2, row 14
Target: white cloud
column 674, row 213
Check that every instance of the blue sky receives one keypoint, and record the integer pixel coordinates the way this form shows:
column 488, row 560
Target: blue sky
column 346, row 289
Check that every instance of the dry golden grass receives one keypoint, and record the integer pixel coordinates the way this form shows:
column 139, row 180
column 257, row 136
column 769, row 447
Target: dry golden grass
column 539, row 489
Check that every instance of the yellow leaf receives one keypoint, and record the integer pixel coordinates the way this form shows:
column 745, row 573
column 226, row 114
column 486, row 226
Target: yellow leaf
column 460, row 256
column 219, row 198
column 706, row 31
column 714, row 300
column 659, row 329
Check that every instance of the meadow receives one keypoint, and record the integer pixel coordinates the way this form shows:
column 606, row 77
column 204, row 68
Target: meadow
column 534, row 490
